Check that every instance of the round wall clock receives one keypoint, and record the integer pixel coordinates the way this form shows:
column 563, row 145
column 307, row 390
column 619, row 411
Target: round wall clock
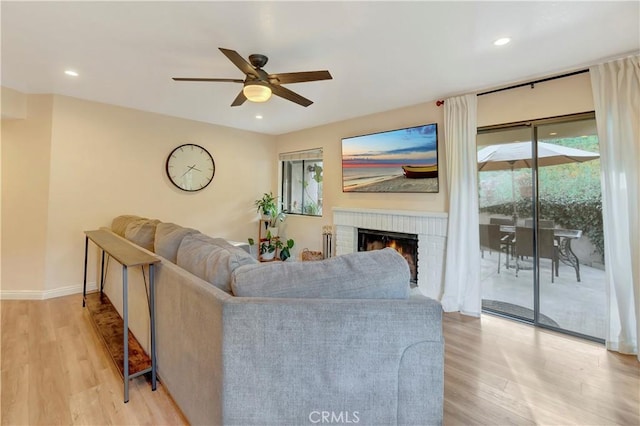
column 190, row 167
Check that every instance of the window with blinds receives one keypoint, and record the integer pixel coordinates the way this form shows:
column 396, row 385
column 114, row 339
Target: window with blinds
column 302, row 182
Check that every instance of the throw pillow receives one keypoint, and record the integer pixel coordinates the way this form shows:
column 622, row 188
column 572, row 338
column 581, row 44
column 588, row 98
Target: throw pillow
column 168, row 238
column 212, row 259
column 142, row 232
column 119, row 224
column 378, row 274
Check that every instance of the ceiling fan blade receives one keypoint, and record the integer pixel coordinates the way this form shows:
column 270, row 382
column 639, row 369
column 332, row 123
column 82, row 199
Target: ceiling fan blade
column 239, row 100
column 239, row 62
column 287, row 94
column 300, row 77
column 225, row 80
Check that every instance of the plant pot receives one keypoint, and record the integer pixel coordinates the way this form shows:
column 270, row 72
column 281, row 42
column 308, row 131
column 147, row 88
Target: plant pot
column 268, row 255
column 273, row 231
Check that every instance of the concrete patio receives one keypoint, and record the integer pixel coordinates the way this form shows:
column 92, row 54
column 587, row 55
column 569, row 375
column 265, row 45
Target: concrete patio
column 576, row 306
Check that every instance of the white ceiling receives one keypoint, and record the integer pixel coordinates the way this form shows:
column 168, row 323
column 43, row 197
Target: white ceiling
column 382, row 55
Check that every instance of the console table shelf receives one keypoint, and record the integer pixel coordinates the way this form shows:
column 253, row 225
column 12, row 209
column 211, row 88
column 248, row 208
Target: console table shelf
column 109, row 325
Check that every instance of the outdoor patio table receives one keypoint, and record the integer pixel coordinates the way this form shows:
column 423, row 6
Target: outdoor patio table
column 564, row 238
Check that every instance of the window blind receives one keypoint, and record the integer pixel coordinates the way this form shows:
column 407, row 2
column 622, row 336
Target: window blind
column 309, row 154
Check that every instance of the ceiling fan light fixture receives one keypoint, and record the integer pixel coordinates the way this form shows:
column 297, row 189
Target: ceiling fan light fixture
column 256, row 92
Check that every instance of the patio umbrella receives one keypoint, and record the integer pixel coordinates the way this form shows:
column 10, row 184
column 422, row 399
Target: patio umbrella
column 517, row 155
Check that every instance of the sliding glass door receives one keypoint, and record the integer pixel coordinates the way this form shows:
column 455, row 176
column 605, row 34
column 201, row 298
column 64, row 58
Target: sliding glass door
column 504, row 164
column 543, row 263
column 569, row 197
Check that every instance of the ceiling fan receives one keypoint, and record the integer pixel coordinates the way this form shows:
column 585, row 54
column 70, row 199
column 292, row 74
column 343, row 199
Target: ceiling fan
column 258, row 85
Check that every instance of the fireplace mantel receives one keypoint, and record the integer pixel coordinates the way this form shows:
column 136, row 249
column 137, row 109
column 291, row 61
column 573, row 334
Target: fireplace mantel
column 431, row 228
column 408, row 213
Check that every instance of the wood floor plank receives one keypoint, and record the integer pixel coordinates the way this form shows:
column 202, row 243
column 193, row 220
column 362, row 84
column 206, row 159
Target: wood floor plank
column 15, row 391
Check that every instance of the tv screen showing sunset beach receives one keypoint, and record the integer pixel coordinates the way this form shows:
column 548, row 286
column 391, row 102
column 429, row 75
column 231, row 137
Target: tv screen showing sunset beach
column 403, row 160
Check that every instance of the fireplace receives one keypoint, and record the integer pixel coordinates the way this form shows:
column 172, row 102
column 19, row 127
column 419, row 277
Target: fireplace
column 403, row 243
column 430, row 227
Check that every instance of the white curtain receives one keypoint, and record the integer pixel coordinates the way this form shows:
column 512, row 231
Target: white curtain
column 616, row 96
column 461, row 290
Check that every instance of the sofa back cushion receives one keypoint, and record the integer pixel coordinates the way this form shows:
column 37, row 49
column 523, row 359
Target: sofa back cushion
column 119, row 224
column 378, row 274
column 168, row 238
column 212, row 259
column 142, row 232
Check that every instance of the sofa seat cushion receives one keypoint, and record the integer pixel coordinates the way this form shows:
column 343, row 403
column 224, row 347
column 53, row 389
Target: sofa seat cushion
column 378, row 274
column 142, row 232
column 168, row 238
column 212, row 259
column 119, row 224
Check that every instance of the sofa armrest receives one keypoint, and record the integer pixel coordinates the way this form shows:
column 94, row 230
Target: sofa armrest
column 286, row 360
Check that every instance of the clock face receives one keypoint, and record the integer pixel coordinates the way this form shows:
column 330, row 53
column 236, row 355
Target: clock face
column 190, row 167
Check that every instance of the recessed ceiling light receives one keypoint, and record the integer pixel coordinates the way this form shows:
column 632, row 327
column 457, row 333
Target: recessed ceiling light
column 71, row 73
column 553, row 134
column 502, row 41
column 259, row 117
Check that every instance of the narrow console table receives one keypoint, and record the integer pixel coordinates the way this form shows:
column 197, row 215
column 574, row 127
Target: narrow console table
column 124, row 349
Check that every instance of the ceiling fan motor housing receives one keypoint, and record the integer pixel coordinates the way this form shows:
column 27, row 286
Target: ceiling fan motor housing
column 258, row 60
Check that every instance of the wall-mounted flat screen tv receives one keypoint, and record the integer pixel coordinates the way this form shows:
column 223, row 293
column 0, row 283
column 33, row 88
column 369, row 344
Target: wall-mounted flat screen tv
column 402, row 160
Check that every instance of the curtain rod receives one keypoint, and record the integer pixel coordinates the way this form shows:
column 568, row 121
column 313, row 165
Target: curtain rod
column 530, row 83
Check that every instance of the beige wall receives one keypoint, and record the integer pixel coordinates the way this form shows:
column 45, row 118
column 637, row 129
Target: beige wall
column 557, row 97
column 553, row 98
column 14, row 104
column 95, row 161
column 25, row 187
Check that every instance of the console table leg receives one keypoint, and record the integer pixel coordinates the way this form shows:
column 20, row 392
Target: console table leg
column 102, row 273
column 125, row 318
column 84, row 285
column 153, row 326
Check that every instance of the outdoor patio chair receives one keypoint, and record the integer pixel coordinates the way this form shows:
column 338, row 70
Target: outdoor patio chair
column 484, row 239
column 492, row 238
column 507, row 237
column 547, row 248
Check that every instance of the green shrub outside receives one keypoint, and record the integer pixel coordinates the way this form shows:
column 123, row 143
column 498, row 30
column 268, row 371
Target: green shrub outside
column 584, row 214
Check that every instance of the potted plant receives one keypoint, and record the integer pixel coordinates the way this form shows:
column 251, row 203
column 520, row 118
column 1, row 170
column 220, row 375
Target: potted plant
column 285, row 248
column 268, row 248
column 273, row 222
column 268, row 207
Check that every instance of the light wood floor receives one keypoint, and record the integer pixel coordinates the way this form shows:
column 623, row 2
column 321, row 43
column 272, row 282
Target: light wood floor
column 500, row 372
column 497, row 372
column 56, row 371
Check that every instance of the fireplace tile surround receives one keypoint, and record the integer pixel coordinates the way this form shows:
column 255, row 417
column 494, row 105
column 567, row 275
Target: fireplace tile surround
column 431, row 228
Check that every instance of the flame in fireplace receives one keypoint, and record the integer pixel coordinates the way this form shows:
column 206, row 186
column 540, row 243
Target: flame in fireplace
column 407, row 250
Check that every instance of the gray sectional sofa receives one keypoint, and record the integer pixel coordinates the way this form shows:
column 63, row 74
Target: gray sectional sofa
column 285, row 343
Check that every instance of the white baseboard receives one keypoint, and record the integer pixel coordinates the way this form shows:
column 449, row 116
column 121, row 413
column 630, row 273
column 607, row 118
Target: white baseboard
column 44, row 294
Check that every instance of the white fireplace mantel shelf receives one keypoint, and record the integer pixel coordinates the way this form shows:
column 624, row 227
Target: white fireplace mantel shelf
column 391, row 212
